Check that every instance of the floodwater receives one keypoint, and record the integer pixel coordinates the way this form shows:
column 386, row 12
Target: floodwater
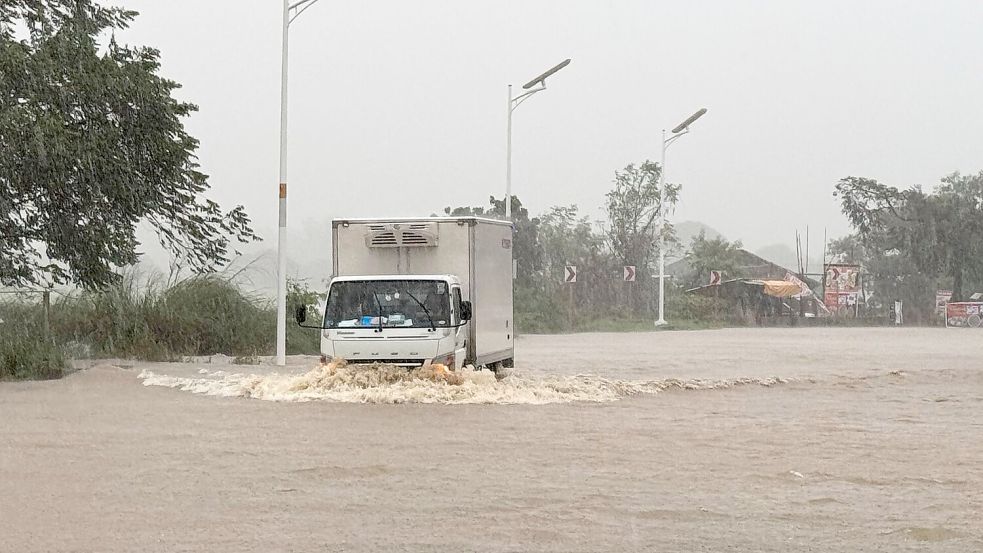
column 723, row 440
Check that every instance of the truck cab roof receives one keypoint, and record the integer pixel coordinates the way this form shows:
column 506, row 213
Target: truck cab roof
column 446, row 278
column 463, row 219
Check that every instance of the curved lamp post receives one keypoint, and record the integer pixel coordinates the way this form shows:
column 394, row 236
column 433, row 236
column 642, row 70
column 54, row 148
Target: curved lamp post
column 514, row 103
column 680, row 130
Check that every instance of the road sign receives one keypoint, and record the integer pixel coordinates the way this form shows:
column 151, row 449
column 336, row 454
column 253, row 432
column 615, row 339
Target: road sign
column 570, row 273
column 714, row 277
column 629, row 273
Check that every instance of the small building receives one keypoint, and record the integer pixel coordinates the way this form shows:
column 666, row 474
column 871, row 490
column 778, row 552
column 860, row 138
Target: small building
column 760, row 290
column 749, row 265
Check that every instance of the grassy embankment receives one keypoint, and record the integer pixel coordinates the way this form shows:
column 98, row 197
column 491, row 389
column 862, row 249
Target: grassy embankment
column 540, row 315
column 202, row 315
column 207, row 315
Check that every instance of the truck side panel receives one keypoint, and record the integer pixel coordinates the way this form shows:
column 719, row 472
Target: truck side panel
column 492, row 296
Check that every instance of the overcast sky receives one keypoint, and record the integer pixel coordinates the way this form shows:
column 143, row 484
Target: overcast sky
column 397, row 108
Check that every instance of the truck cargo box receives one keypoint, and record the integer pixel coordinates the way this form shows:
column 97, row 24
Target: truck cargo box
column 477, row 251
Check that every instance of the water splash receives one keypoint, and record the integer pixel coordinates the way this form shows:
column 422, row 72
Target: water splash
column 380, row 383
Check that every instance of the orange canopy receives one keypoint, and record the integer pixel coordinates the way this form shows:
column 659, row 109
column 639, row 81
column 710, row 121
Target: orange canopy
column 781, row 288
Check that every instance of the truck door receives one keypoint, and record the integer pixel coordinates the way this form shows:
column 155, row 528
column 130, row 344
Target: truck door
column 460, row 331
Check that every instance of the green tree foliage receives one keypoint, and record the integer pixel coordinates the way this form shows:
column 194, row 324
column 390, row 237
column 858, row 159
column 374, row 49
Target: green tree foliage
column 889, row 275
column 633, row 212
column 714, row 254
column 562, row 236
column 566, row 239
column 91, row 144
column 938, row 232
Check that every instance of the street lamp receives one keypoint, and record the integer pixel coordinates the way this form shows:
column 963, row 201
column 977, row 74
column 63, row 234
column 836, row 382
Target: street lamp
column 514, row 103
column 680, row 130
column 291, row 10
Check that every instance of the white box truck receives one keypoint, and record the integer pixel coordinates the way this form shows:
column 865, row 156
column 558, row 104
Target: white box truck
column 418, row 291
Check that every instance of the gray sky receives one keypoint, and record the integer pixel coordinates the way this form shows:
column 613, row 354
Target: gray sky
column 398, row 107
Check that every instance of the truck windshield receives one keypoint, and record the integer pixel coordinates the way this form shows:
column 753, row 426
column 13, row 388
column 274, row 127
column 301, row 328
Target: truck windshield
column 388, row 304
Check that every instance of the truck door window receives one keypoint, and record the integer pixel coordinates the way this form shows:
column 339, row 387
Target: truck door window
column 457, row 305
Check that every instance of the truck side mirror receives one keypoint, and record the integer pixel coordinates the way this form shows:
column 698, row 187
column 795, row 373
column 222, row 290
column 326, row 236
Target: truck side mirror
column 466, row 310
column 301, row 314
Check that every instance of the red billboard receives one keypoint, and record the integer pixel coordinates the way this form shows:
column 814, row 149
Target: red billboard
column 964, row 313
column 842, row 287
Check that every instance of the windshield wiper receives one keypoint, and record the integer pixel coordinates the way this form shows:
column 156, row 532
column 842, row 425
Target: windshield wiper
column 425, row 310
column 378, row 303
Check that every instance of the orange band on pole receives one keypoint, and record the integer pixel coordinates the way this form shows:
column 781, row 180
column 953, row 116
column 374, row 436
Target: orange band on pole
column 283, row 190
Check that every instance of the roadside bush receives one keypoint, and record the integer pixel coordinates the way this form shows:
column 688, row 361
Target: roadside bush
column 201, row 315
column 24, row 354
column 537, row 313
column 30, row 358
column 691, row 307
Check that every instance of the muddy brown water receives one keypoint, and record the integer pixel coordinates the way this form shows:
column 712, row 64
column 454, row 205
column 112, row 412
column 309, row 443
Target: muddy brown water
column 724, row 440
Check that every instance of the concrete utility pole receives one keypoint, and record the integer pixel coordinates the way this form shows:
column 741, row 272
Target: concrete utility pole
column 290, row 12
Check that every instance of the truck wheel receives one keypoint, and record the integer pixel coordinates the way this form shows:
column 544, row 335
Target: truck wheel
column 508, row 363
column 501, row 368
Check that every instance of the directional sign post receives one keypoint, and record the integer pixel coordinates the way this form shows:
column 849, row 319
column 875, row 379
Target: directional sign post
column 629, row 277
column 570, row 277
column 714, row 277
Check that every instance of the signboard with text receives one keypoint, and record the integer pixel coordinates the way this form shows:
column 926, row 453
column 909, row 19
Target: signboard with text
column 804, row 291
column 942, row 297
column 967, row 314
column 842, row 286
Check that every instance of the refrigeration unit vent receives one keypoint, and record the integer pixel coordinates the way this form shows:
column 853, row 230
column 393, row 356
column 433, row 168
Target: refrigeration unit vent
column 401, row 235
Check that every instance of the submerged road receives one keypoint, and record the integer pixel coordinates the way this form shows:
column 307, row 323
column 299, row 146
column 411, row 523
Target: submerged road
column 721, row 440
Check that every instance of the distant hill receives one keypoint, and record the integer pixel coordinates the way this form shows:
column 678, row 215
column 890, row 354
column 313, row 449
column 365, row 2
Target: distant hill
column 781, row 254
column 784, row 255
column 686, row 231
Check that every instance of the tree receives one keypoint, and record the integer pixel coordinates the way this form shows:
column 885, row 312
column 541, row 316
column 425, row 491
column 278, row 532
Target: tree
column 566, row 239
column 888, row 275
column 633, row 213
column 940, row 233
column 91, row 144
column 715, row 254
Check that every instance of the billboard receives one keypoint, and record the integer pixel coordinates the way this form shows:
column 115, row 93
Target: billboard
column 804, row 291
column 842, row 286
column 964, row 314
column 941, row 298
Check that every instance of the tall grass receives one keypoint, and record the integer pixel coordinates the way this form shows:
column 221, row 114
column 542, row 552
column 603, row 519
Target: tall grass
column 201, row 315
column 152, row 320
column 24, row 353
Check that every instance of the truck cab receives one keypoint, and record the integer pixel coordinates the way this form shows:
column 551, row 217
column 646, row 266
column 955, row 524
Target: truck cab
column 408, row 320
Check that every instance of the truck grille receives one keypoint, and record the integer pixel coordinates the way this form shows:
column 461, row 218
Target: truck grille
column 402, row 362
